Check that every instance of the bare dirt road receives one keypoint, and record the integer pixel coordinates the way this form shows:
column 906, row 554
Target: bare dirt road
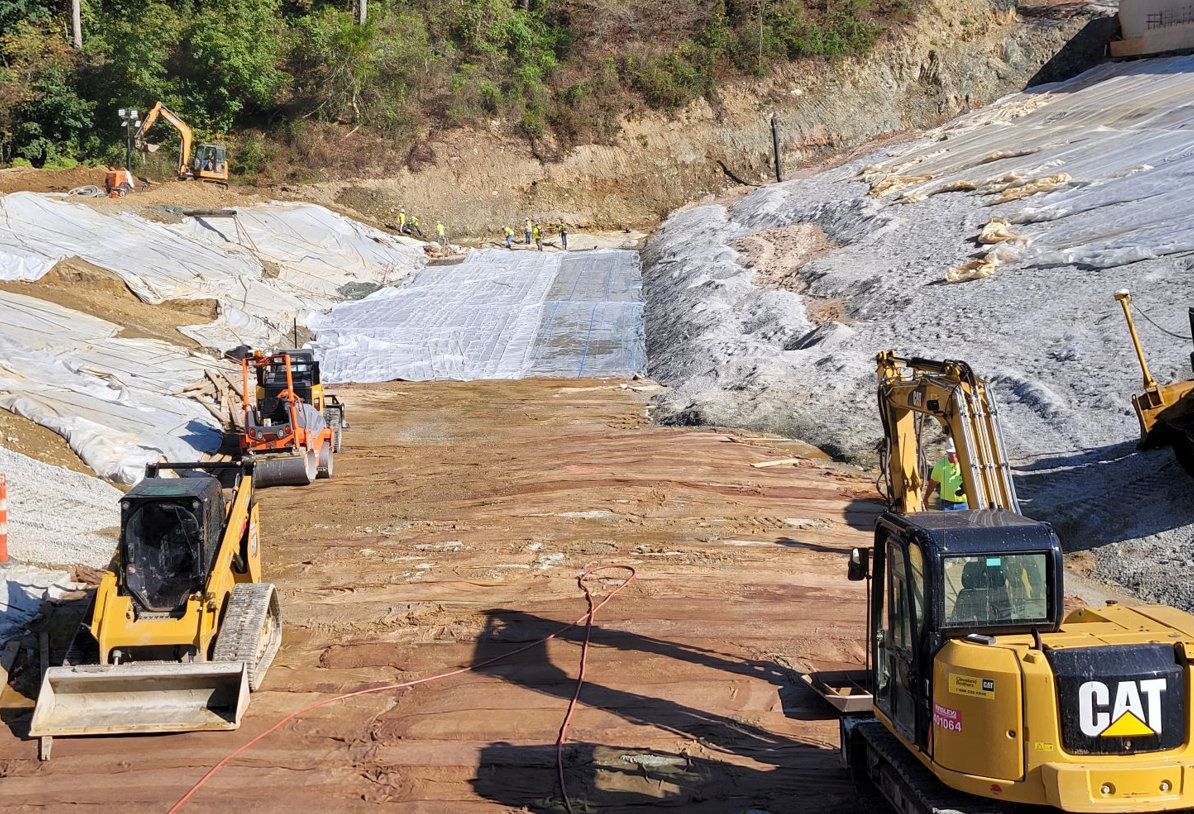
column 458, row 520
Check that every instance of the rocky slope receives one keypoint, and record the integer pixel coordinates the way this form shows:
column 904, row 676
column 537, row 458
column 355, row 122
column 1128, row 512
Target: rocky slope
column 957, row 55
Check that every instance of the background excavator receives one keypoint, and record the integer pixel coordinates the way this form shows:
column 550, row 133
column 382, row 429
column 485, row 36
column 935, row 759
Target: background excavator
column 1165, row 411
column 292, row 429
column 181, row 628
column 983, row 696
column 210, row 162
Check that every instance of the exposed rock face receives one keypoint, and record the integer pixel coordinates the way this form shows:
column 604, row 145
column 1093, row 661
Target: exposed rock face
column 956, row 55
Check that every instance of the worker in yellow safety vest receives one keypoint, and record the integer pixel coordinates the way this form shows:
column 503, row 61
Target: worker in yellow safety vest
column 530, row 228
column 414, row 225
column 401, row 219
column 509, row 237
column 537, row 233
column 946, row 478
column 439, row 233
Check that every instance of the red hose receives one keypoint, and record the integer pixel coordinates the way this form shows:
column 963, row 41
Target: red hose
column 586, row 620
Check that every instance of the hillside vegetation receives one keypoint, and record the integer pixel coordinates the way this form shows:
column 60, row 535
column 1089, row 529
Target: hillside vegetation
column 302, row 92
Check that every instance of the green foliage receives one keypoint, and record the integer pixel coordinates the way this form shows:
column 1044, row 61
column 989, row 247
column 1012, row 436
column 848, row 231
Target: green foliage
column 300, row 90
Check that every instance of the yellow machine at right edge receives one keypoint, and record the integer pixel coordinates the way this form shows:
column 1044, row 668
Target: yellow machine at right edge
column 986, row 695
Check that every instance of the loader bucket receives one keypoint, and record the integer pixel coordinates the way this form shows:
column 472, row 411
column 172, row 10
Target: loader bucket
column 140, row 698
column 297, row 470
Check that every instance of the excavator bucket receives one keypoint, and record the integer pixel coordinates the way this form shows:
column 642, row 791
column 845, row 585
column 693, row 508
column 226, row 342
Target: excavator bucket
column 141, row 698
column 296, row 470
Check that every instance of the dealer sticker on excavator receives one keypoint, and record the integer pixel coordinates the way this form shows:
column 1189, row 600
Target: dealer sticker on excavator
column 972, row 686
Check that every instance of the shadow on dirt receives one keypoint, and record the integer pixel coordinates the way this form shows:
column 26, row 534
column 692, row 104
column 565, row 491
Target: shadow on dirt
column 727, row 764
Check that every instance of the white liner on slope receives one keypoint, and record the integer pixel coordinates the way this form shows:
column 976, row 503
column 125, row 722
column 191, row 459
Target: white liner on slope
column 316, row 253
column 498, row 315
column 1120, row 132
column 109, row 397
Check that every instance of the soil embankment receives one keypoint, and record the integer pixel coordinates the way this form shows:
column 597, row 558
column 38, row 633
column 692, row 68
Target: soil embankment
column 956, row 55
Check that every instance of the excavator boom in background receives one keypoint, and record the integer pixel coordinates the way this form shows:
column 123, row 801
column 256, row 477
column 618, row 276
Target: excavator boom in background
column 210, row 162
column 1165, row 411
column 980, row 693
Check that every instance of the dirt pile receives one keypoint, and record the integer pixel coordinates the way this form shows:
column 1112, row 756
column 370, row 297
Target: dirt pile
column 81, row 286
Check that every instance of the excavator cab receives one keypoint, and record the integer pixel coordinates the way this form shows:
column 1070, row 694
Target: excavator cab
column 210, row 163
column 941, row 576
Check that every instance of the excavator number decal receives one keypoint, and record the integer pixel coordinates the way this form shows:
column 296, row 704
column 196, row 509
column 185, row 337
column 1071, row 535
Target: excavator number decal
column 1133, row 709
column 946, row 718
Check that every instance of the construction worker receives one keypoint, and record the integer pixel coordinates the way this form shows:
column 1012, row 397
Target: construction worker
column 530, row 229
column 439, row 233
column 414, row 225
column 564, row 235
column 509, row 237
column 402, row 220
column 537, row 233
column 946, row 478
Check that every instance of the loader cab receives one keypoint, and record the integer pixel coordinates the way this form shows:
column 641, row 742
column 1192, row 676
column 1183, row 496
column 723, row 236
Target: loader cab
column 170, row 532
column 938, row 576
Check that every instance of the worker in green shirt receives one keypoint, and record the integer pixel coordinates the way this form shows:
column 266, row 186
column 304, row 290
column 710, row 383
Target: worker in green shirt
column 946, row 477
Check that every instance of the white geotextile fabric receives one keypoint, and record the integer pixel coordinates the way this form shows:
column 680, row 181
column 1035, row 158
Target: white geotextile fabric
column 23, row 592
column 312, row 253
column 1113, row 144
column 497, row 315
column 110, row 398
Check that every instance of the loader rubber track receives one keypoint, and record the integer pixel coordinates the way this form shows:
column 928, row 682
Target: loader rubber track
column 907, row 785
column 252, row 629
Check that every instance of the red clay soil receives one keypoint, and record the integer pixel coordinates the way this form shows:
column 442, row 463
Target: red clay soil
column 453, row 531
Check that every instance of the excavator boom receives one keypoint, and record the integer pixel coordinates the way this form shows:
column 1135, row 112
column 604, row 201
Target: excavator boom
column 211, row 165
column 960, row 401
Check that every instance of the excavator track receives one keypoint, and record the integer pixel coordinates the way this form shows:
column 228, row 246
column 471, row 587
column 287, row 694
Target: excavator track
column 252, row 629
column 903, row 781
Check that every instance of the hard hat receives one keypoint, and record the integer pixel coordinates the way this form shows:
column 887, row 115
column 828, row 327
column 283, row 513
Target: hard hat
column 950, row 446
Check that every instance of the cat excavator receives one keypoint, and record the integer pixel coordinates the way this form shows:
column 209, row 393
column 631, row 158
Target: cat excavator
column 182, row 627
column 1165, row 411
column 211, row 160
column 980, row 693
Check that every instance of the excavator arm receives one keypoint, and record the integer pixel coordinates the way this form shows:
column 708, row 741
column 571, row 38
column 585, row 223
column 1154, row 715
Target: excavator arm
column 185, row 133
column 949, row 392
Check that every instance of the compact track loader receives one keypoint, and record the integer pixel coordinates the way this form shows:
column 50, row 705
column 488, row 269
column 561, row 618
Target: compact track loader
column 293, row 429
column 1166, row 411
column 182, row 628
column 984, row 695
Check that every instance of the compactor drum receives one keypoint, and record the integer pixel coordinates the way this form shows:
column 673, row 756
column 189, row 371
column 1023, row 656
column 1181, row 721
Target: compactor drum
column 292, row 429
column 181, row 628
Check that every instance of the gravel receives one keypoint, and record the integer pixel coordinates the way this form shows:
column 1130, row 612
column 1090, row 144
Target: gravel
column 58, row 517
column 1052, row 341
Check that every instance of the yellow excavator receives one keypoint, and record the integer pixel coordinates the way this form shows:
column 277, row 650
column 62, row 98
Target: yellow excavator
column 1165, row 411
column 211, row 160
column 984, row 695
column 182, row 628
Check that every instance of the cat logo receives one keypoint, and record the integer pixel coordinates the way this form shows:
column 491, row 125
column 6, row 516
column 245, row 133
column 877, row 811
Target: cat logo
column 1134, row 710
